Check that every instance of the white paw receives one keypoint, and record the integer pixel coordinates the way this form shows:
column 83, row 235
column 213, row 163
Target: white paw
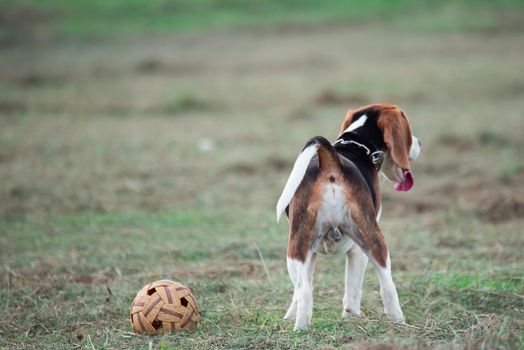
column 398, row 321
column 303, row 321
column 396, row 317
column 291, row 313
column 301, row 326
column 349, row 312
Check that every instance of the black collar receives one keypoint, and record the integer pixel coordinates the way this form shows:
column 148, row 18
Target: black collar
column 354, row 141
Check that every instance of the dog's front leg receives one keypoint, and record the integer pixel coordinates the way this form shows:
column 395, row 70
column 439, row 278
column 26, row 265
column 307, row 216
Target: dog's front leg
column 356, row 262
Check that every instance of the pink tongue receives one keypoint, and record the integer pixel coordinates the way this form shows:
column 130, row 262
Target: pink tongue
column 405, row 185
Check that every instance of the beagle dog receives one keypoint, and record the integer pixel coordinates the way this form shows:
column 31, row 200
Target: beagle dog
column 332, row 200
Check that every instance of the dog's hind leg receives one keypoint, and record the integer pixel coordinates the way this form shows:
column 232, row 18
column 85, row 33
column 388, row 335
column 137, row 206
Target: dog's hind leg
column 356, row 262
column 369, row 237
column 388, row 291
column 301, row 274
column 292, row 270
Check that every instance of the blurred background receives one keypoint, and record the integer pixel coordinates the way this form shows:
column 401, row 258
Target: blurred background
column 133, row 133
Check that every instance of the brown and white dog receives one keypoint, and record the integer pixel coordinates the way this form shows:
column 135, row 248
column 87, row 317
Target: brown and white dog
column 332, row 199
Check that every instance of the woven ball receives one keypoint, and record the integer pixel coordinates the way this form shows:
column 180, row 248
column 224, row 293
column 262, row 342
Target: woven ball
column 164, row 306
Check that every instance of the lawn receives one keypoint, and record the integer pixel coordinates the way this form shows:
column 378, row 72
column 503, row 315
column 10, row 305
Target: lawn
column 136, row 145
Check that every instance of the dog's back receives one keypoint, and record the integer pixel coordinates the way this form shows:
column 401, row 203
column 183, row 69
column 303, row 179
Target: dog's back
column 330, row 194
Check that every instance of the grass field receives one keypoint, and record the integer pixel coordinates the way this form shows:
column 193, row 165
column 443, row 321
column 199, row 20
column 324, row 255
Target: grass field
column 159, row 151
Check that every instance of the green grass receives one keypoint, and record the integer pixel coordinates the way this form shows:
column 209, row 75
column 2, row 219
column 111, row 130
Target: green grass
column 90, row 287
column 184, row 102
column 106, row 18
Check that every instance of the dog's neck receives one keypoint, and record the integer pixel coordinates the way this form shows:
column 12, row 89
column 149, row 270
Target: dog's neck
column 366, row 156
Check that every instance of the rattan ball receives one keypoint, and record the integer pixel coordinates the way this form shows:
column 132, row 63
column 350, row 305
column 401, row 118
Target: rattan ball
column 164, row 306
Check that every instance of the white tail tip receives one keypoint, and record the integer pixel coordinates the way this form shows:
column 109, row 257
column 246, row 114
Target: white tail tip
column 295, row 178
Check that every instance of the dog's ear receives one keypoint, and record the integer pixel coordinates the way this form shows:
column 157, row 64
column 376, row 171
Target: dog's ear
column 347, row 121
column 397, row 135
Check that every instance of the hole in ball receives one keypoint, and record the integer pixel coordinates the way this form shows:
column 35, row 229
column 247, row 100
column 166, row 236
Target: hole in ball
column 156, row 324
column 184, row 302
column 151, row 291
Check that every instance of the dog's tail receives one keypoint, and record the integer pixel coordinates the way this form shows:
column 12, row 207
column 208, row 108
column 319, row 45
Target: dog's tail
column 327, row 158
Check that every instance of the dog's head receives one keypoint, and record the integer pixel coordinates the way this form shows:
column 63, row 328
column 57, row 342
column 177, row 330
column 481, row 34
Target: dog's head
column 387, row 128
